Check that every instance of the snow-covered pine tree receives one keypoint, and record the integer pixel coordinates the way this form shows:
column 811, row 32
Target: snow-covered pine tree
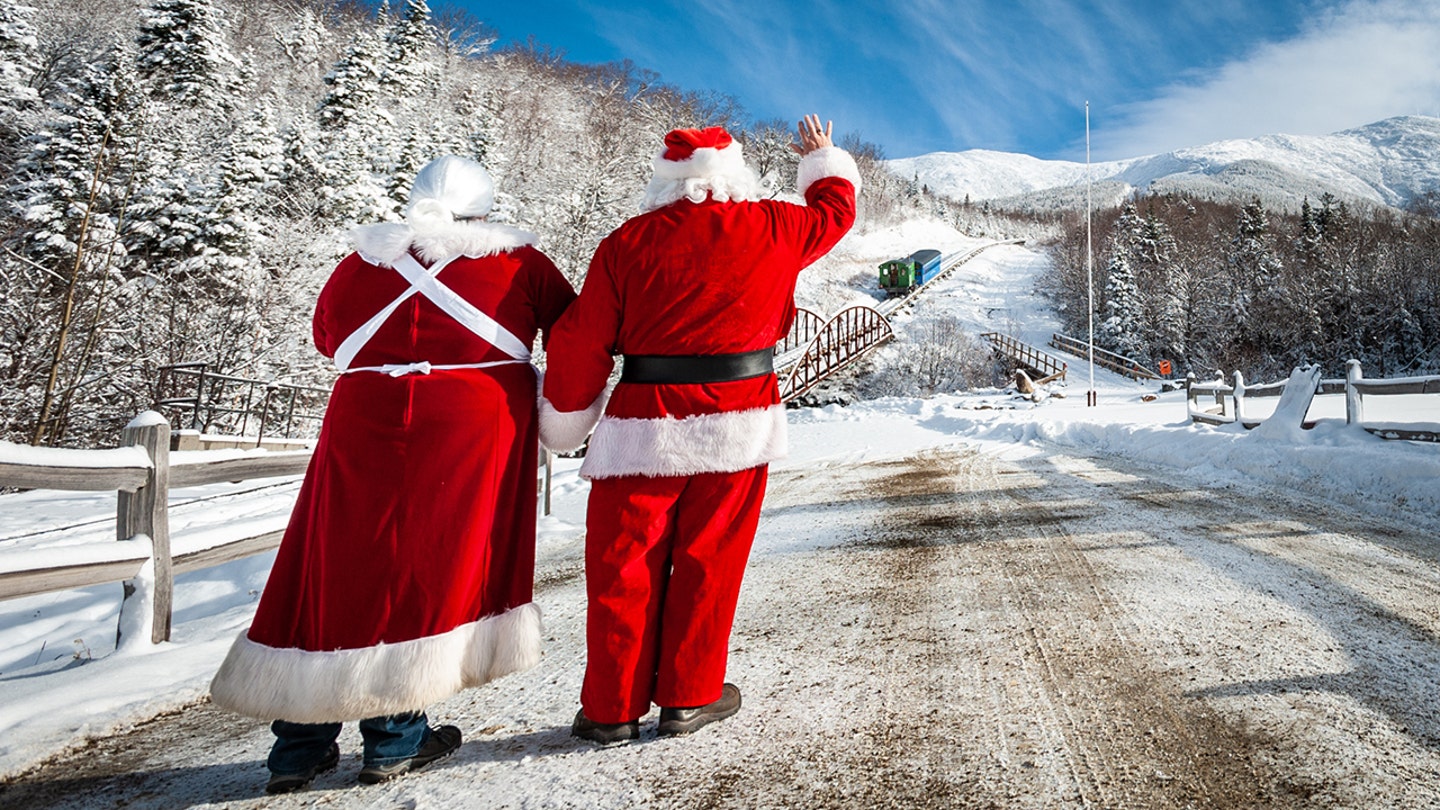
column 1120, row 316
column 354, row 81
column 1162, row 288
column 1122, row 308
column 1256, row 294
column 183, row 54
column 415, row 152
column 249, row 173
column 19, row 61
column 1310, row 263
column 407, row 72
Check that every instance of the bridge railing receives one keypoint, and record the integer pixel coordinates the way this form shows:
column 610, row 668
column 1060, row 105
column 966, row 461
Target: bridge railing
column 803, row 330
column 843, row 340
column 194, row 397
column 1046, row 365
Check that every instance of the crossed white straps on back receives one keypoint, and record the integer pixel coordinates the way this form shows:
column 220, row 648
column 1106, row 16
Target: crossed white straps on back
column 424, row 282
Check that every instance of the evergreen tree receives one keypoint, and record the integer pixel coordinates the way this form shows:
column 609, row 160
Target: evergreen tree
column 1122, row 308
column 1120, row 324
column 354, row 81
column 183, row 52
column 414, row 154
column 19, row 61
column 1252, row 266
column 250, row 172
column 406, row 72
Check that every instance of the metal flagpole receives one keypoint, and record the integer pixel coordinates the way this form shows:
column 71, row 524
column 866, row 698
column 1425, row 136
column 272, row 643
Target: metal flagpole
column 1091, row 398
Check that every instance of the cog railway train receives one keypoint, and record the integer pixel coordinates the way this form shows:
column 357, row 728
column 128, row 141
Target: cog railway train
column 899, row 276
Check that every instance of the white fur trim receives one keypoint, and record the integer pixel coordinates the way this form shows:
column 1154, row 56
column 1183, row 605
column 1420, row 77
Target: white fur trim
column 708, row 172
column 563, row 431
column 301, row 686
column 707, row 161
column 383, row 243
column 713, row 442
column 828, row 161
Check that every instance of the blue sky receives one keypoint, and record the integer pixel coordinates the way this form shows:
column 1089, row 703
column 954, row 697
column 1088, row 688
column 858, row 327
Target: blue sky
column 917, row 76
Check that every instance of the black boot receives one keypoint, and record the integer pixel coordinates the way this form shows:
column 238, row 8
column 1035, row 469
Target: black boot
column 683, row 721
column 289, row 782
column 440, row 742
column 603, row 733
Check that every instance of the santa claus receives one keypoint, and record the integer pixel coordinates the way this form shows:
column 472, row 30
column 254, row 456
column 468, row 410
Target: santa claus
column 693, row 294
column 407, row 568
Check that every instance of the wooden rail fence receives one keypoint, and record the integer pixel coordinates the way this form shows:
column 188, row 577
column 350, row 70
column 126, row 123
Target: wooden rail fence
column 1220, row 403
column 141, row 471
column 1117, row 363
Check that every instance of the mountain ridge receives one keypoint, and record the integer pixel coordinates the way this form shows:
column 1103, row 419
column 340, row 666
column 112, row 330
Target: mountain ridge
column 1388, row 163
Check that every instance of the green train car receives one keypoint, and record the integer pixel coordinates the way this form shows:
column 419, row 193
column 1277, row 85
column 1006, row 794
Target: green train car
column 899, row 276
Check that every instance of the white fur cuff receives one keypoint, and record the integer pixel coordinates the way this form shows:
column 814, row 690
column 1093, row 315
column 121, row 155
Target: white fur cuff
column 714, row 442
column 564, row 431
column 829, row 161
column 302, row 686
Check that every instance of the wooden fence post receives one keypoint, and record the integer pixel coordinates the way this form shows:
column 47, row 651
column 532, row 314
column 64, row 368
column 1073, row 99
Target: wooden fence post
column 549, row 471
column 1353, row 414
column 1239, row 398
column 145, row 511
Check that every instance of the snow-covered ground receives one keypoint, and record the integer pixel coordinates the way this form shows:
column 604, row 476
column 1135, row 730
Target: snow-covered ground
column 64, row 681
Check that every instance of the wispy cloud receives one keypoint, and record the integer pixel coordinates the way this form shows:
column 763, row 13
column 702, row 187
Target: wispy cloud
column 1013, row 75
column 1365, row 61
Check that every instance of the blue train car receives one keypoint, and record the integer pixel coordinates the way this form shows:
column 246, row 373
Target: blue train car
column 899, row 276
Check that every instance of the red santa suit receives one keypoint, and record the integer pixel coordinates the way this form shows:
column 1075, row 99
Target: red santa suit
column 406, row 571
column 678, row 466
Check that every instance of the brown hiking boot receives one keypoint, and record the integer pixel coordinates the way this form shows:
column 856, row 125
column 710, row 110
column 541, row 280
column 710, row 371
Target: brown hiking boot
column 684, row 721
column 604, row 733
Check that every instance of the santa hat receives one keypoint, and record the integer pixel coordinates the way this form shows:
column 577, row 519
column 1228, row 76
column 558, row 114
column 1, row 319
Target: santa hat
column 697, row 163
column 451, row 188
column 698, row 153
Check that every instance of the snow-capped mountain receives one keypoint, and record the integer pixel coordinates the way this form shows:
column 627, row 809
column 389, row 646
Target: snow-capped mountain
column 1389, row 162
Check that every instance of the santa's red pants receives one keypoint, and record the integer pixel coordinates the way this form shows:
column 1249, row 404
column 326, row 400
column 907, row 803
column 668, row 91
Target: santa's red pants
column 663, row 562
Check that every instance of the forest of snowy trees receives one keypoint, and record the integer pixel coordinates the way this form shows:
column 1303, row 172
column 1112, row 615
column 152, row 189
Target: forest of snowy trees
column 178, row 177
column 1216, row 287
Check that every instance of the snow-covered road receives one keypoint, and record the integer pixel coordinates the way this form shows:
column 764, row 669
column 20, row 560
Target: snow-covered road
column 950, row 628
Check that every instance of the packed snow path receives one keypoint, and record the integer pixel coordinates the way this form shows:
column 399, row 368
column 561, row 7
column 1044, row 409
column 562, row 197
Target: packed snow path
column 949, row 630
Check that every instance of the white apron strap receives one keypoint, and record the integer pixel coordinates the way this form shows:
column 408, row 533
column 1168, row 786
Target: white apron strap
column 461, row 310
column 423, row 281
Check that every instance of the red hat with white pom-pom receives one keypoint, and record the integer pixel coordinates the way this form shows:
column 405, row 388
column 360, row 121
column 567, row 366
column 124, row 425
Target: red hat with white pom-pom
column 708, row 152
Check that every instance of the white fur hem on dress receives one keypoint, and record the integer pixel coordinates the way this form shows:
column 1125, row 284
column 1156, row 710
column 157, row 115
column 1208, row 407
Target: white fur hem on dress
column 270, row 683
column 714, row 442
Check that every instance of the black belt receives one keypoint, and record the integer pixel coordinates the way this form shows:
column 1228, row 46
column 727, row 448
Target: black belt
column 697, row 368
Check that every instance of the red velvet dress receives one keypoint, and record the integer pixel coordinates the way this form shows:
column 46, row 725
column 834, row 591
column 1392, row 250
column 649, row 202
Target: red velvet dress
column 406, row 571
